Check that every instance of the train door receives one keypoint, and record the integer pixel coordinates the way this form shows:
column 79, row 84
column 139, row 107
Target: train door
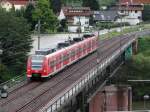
column 78, row 52
column 58, row 62
column 73, row 55
column 65, row 58
column 51, row 65
column 29, row 72
column 82, row 49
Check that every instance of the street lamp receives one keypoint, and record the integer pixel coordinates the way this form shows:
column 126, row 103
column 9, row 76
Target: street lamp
column 1, row 52
column 146, row 97
column 38, row 28
column 79, row 29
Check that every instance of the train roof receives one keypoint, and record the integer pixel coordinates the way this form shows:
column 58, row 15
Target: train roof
column 67, row 48
column 45, row 51
column 64, row 45
column 62, row 50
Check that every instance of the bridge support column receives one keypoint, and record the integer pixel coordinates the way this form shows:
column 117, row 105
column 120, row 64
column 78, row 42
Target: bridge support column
column 135, row 47
column 128, row 52
column 81, row 102
column 95, row 84
column 112, row 98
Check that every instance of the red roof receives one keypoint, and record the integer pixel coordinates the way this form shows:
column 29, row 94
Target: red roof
column 19, row 2
column 134, row 1
column 77, row 11
column 131, row 8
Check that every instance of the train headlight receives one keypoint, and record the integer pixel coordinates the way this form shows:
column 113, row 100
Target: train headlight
column 45, row 71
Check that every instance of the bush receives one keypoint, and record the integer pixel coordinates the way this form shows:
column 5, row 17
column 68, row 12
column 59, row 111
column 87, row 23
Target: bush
column 138, row 68
column 5, row 74
column 108, row 25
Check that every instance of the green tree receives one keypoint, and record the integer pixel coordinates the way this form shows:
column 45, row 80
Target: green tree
column 43, row 12
column 20, row 12
column 146, row 13
column 15, row 41
column 93, row 4
column 107, row 2
column 137, row 68
column 63, row 26
column 28, row 15
column 56, row 6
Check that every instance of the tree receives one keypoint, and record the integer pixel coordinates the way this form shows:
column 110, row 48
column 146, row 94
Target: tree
column 93, row 4
column 28, row 15
column 56, row 6
column 146, row 13
column 15, row 41
column 20, row 12
column 107, row 2
column 63, row 25
column 43, row 12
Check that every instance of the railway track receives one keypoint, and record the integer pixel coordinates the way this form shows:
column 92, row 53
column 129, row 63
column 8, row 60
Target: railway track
column 59, row 84
column 19, row 92
column 40, row 95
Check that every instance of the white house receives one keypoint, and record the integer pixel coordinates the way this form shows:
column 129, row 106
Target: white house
column 131, row 10
column 5, row 4
column 17, row 4
column 77, row 17
column 130, row 13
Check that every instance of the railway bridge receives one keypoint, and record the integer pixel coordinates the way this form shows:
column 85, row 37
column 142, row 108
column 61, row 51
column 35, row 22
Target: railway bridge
column 72, row 89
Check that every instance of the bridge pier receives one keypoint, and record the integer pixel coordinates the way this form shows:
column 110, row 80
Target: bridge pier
column 112, row 98
column 82, row 101
column 135, row 46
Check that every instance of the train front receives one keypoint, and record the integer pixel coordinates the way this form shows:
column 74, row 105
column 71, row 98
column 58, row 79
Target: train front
column 35, row 66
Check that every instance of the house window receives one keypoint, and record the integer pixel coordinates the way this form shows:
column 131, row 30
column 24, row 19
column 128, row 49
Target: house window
column 139, row 17
column 86, row 22
column 122, row 11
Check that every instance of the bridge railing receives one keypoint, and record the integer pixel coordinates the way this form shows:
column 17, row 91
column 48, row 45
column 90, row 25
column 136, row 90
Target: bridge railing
column 11, row 84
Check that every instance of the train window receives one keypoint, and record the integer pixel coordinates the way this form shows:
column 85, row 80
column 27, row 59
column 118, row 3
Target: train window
column 80, row 49
column 72, row 53
column 65, row 57
column 90, row 44
column 62, row 58
column 57, row 60
column 37, row 61
column 52, row 63
column 84, row 47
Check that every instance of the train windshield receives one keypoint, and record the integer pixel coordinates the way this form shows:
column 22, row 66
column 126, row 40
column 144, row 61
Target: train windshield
column 37, row 62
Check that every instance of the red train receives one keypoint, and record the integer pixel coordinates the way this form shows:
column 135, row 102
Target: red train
column 48, row 62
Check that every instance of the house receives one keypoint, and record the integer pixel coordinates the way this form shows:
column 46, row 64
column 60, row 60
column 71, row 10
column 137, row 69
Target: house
column 134, row 2
column 17, row 4
column 105, row 16
column 131, row 10
column 130, row 13
column 77, row 18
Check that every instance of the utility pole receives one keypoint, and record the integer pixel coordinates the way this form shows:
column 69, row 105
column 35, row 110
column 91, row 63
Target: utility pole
column 79, row 27
column 39, row 31
column 1, row 52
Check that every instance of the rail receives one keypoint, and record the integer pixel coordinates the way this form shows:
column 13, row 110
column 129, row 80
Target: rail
column 75, row 88
column 13, row 83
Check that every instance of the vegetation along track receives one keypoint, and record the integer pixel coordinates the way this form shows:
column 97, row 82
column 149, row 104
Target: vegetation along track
column 31, row 100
